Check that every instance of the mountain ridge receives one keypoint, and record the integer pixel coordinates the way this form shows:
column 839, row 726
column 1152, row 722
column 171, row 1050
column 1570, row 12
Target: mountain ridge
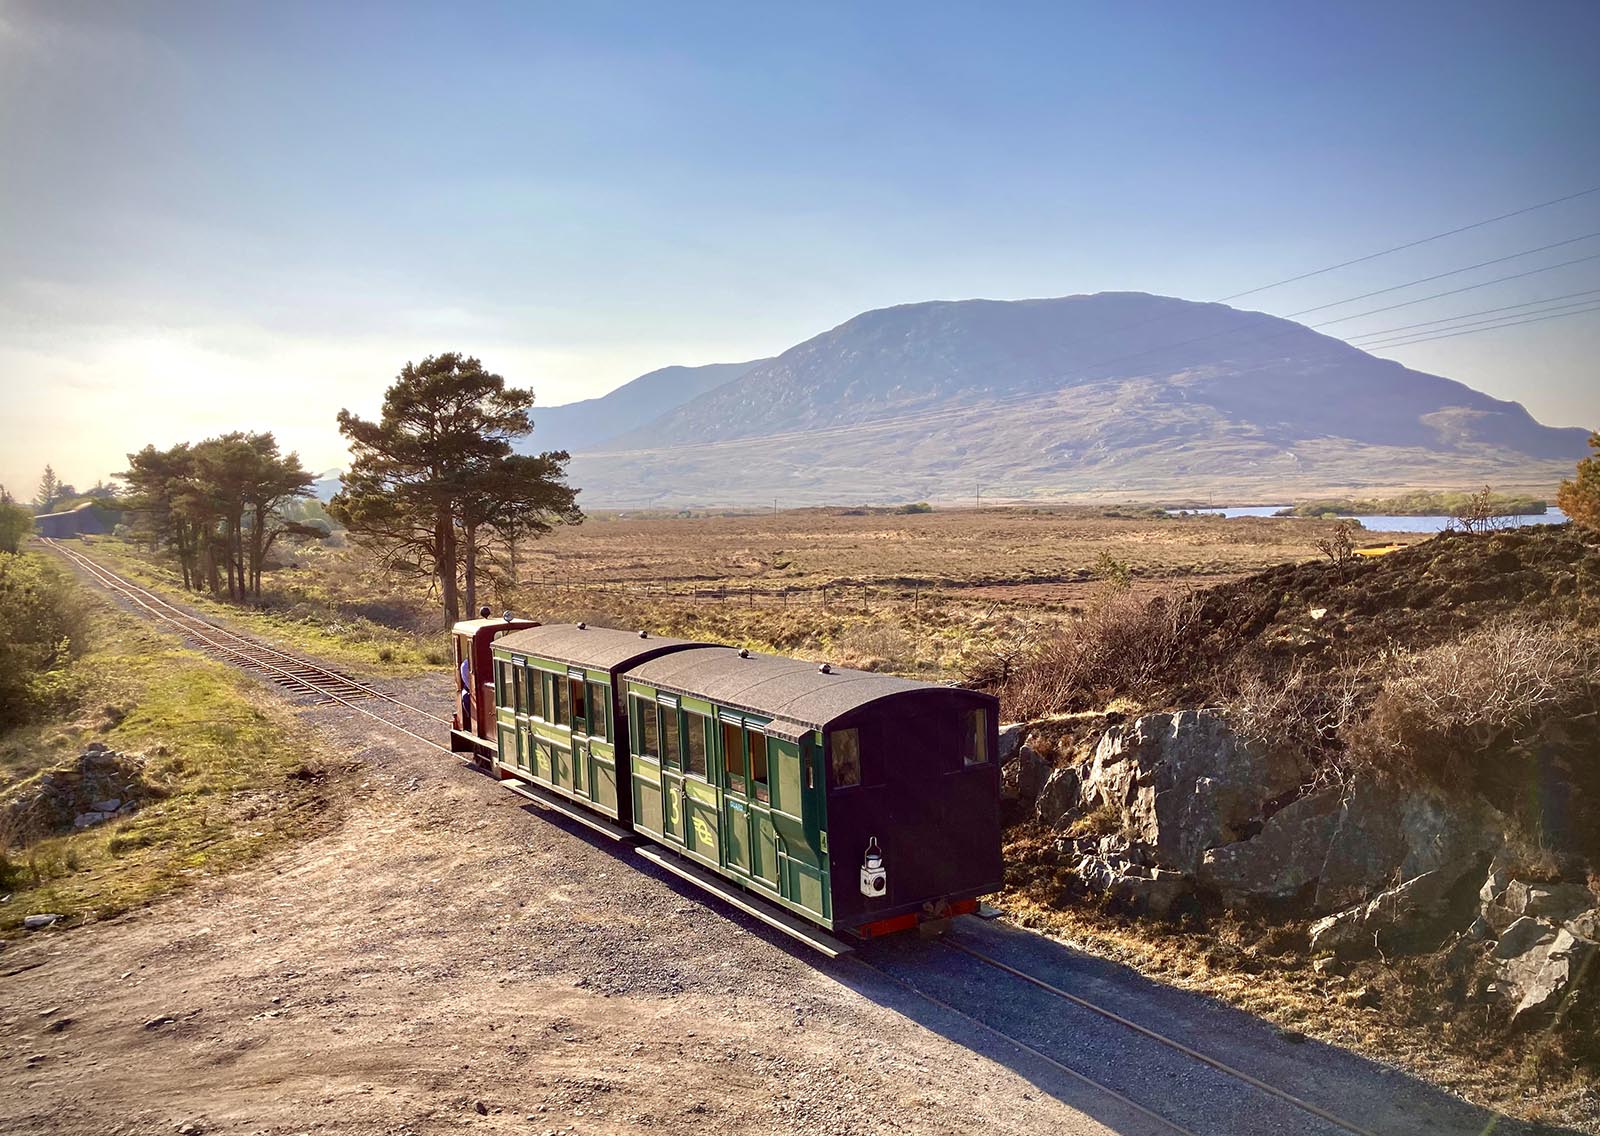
column 1105, row 392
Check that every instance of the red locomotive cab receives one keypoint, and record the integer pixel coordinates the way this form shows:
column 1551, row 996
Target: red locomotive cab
column 472, row 725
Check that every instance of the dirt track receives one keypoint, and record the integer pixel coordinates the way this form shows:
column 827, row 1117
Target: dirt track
column 444, row 950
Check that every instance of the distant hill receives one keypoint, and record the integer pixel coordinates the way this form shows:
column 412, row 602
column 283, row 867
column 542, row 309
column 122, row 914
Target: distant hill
column 1121, row 394
column 582, row 425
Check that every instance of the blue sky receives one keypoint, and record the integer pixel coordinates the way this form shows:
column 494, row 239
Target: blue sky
column 219, row 215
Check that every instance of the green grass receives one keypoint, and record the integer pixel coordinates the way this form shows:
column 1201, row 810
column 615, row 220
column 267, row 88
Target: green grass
column 307, row 609
column 242, row 776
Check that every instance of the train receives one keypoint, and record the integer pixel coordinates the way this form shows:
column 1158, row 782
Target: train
column 835, row 805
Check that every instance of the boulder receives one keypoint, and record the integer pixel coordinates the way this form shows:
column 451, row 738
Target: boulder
column 110, row 805
column 1022, row 779
column 39, row 922
column 1540, row 965
column 1185, row 782
column 1011, row 737
column 1505, row 900
column 1282, row 860
column 1058, row 796
column 1417, row 914
column 1147, row 891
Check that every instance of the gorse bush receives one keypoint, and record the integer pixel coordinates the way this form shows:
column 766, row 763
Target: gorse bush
column 41, row 628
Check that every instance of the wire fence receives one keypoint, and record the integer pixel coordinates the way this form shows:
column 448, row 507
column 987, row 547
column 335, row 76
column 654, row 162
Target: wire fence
column 830, row 597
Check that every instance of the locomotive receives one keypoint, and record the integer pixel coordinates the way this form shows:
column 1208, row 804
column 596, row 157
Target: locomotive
column 836, row 805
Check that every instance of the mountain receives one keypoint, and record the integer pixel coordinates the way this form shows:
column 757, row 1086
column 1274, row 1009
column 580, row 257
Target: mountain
column 577, row 426
column 1116, row 394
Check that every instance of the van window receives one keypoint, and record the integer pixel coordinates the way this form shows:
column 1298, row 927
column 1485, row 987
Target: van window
column 576, row 688
column 733, row 756
column 500, row 682
column 557, row 694
column 599, row 712
column 974, row 734
column 845, row 746
column 695, row 744
column 644, row 712
column 517, row 696
column 758, row 765
column 670, row 747
column 536, row 693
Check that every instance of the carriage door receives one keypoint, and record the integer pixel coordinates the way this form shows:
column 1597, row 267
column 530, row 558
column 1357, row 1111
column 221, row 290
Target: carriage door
column 735, row 800
column 578, row 700
column 673, row 824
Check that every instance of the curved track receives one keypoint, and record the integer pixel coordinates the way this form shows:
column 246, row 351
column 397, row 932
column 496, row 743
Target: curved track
column 308, row 678
column 291, row 672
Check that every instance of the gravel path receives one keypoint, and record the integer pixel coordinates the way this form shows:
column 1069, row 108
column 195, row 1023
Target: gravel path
column 453, row 958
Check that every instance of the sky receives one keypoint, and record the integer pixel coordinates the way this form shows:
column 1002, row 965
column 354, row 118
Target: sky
column 222, row 215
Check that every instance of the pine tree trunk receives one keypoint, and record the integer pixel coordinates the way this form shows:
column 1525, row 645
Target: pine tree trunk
column 444, row 537
column 470, row 533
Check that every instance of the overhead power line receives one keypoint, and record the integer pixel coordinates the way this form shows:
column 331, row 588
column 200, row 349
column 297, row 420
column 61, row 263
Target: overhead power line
column 1458, row 291
column 1406, row 341
column 1481, row 312
column 1408, row 245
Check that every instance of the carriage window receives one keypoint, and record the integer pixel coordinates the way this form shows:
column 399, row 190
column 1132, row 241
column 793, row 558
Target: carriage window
column 670, row 746
column 536, row 693
column 644, row 713
column 556, row 692
column 517, row 696
column 758, row 764
column 575, row 689
column 598, row 706
column 695, row 743
column 733, row 756
column 499, row 683
column 846, row 747
column 974, row 737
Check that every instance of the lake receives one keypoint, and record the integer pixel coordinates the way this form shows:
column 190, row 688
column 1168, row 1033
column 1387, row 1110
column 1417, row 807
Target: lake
column 1390, row 524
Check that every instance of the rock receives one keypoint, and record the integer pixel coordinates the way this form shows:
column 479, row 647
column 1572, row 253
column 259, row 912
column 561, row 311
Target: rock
column 158, row 1022
column 1585, row 925
column 1504, row 900
column 1058, row 795
column 108, row 806
column 481, row 1109
column 86, row 820
column 1418, row 913
column 1539, row 965
column 1279, row 862
column 1185, row 782
column 1152, row 894
column 1011, row 737
column 40, row 922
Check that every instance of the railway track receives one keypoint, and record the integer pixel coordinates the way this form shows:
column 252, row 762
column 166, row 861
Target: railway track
column 1271, row 1108
column 1238, row 1101
column 300, row 676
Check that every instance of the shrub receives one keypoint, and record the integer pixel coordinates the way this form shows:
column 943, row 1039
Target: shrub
column 1460, row 714
column 41, row 628
column 1580, row 497
column 1123, row 646
column 16, row 525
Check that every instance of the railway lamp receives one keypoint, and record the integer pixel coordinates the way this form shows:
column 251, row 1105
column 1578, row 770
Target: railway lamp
column 483, row 612
column 874, row 876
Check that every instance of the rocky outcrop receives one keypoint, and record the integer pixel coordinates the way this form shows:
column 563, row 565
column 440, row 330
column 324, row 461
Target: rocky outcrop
column 1419, row 914
column 1024, row 776
column 100, row 785
column 1288, row 855
column 1540, row 966
column 1059, row 796
column 1185, row 782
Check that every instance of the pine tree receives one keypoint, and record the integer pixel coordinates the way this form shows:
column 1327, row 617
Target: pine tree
column 49, row 491
column 435, row 476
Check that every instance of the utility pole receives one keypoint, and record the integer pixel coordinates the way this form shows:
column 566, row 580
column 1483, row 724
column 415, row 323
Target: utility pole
column 980, row 496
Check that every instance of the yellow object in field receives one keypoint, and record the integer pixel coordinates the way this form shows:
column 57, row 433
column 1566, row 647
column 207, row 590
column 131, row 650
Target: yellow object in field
column 1381, row 550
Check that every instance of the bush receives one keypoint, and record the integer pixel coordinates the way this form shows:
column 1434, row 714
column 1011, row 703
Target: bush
column 16, row 525
column 1123, row 646
column 1469, row 713
column 41, row 628
column 1580, row 497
